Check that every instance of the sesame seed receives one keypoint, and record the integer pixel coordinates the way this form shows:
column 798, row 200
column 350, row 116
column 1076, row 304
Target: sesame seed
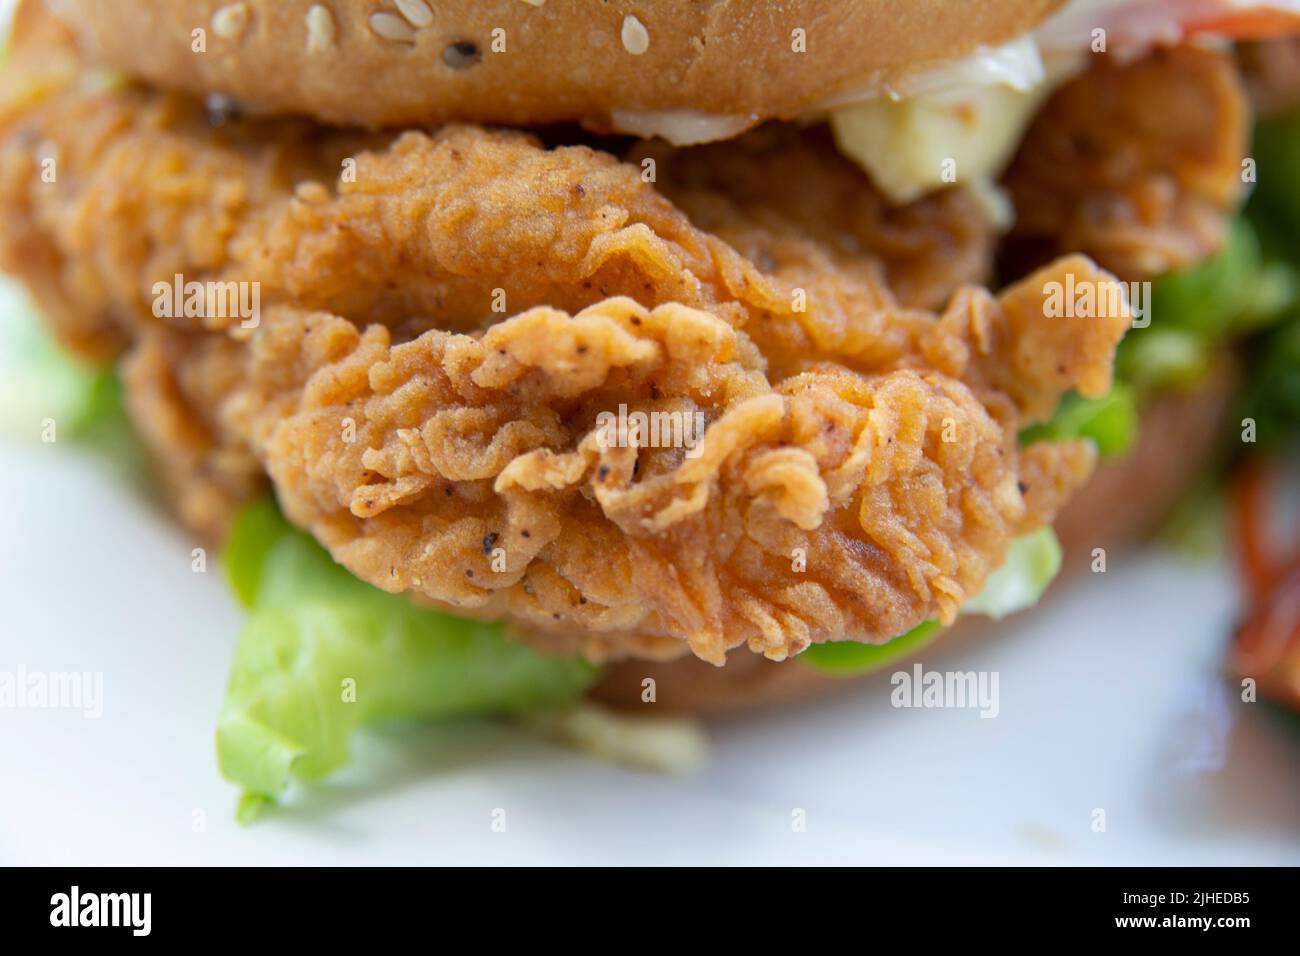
column 392, row 27
column 417, row 11
column 636, row 38
column 320, row 29
column 230, row 21
column 534, row 3
column 311, row 192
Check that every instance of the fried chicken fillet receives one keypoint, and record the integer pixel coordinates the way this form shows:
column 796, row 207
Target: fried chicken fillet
column 445, row 316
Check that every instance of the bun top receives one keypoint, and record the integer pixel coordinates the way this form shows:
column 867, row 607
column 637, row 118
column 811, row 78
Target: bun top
column 693, row 69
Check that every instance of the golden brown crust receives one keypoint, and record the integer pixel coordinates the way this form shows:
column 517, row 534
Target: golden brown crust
column 366, row 62
column 1134, row 164
column 829, row 423
column 415, row 429
column 173, row 384
column 1271, row 70
column 825, row 504
column 751, row 192
column 1119, row 504
column 138, row 186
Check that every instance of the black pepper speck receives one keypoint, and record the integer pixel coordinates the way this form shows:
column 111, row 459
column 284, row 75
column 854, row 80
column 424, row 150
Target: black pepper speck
column 461, row 55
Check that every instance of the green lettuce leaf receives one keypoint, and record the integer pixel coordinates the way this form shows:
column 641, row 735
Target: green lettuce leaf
column 1032, row 563
column 853, row 657
column 1195, row 312
column 323, row 653
column 1230, row 294
column 1111, row 421
column 1246, row 298
column 50, row 393
column 43, row 382
column 1271, row 396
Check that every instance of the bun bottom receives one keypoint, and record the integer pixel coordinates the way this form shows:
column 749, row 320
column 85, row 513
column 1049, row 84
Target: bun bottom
column 1120, row 504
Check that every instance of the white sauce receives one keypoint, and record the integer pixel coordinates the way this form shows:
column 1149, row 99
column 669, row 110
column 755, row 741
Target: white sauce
column 680, row 127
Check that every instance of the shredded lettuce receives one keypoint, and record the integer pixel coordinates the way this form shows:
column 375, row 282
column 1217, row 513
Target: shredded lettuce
column 1247, row 297
column 1197, row 311
column 53, row 396
column 1111, row 421
column 852, row 657
column 43, row 383
column 323, row 653
column 1032, row 563
column 1229, row 295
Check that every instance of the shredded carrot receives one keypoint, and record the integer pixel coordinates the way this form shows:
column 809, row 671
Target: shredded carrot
column 1250, row 490
column 1267, row 641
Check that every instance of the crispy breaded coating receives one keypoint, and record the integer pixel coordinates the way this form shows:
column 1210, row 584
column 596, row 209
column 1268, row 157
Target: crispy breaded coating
column 148, row 188
column 1135, row 165
column 1271, row 72
column 174, row 384
column 473, row 471
column 830, row 503
column 757, row 193
column 109, row 188
column 450, row 321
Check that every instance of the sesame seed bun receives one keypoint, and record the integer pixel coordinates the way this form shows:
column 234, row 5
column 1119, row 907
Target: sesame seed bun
column 1123, row 501
column 611, row 65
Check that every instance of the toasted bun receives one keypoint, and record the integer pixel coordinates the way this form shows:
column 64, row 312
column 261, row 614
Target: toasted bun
column 420, row 62
column 1121, row 503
